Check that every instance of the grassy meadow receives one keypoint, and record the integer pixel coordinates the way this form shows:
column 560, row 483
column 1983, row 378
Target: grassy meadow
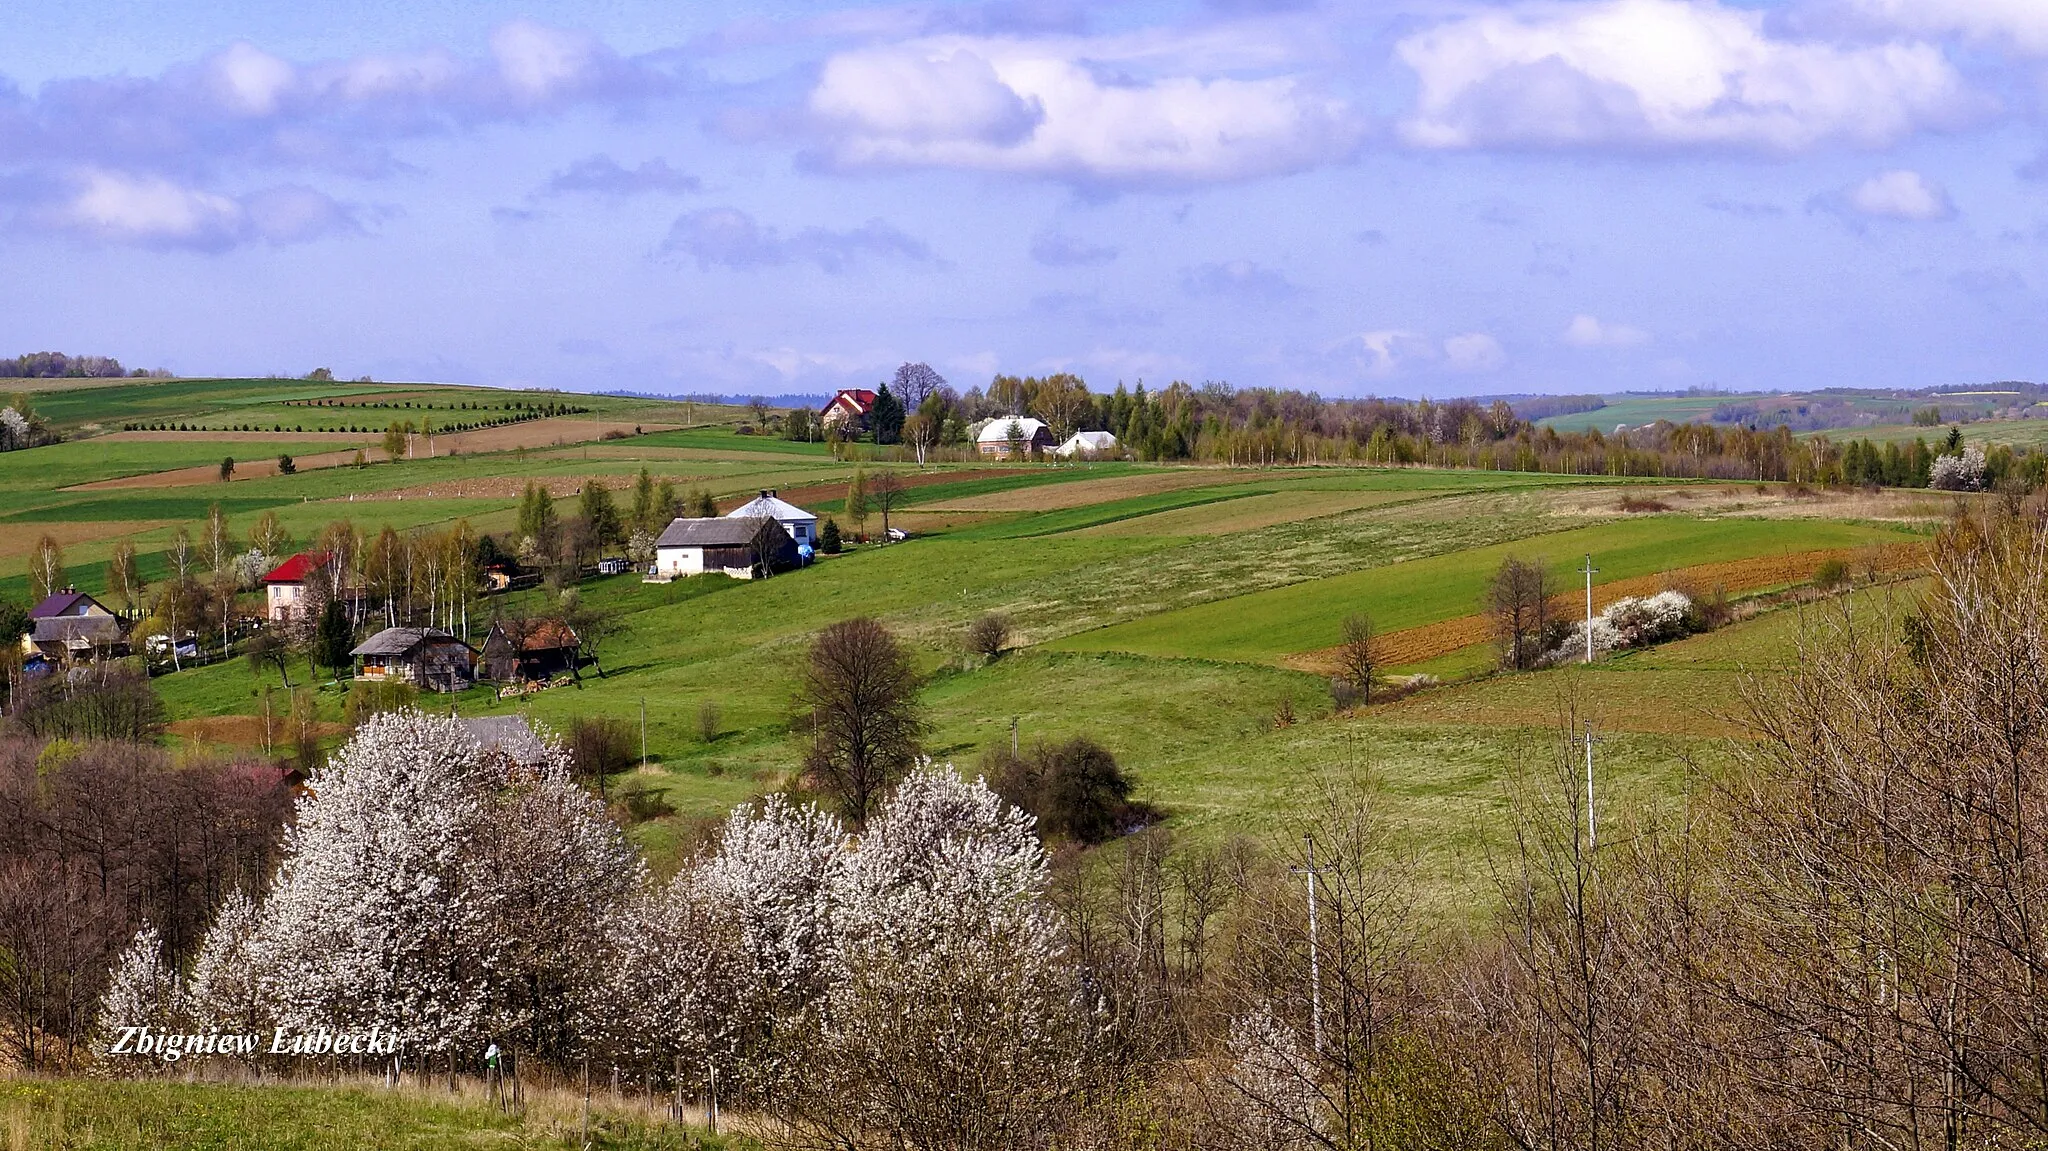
column 1172, row 613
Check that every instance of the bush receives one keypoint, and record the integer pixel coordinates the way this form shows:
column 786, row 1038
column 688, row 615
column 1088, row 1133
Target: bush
column 1075, row 789
column 286, row 465
column 368, row 697
column 989, row 636
column 600, row 745
column 642, row 803
column 1831, row 574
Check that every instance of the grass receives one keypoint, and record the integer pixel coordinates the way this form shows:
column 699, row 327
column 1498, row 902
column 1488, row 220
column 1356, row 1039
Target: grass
column 1268, row 625
column 144, row 1115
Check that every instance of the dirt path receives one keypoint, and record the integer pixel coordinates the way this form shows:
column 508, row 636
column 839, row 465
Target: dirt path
column 1417, row 644
column 532, row 434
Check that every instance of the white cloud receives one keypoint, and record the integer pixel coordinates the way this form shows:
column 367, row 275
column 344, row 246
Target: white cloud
column 1104, row 110
column 1902, row 194
column 1589, row 332
column 149, row 211
column 1474, row 352
column 251, row 80
column 537, row 61
column 2023, row 24
column 1663, row 73
column 730, row 238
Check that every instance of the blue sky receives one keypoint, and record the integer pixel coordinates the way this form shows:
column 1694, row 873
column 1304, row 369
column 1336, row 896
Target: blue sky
column 1389, row 198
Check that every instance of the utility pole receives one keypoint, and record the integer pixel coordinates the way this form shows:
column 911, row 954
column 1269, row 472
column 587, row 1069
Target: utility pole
column 643, row 731
column 1013, row 737
column 1588, row 571
column 1315, row 965
column 1592, row 818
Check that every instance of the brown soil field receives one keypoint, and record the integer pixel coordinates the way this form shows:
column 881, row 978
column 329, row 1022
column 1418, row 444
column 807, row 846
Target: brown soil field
column 22, row 543
column 241, row 730
column 1419, row 644
column 1250, row 512
column 537, row 433
column 1778, row 501
column 1081, row 493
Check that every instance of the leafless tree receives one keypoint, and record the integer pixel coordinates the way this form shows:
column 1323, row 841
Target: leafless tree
column 1357, row 662
column 857, row 691
column 989, row 635
column 1518, row 599
column 886, row 491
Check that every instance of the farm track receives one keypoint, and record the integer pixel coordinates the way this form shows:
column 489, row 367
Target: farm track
column 533, row 434
column 1431, row 641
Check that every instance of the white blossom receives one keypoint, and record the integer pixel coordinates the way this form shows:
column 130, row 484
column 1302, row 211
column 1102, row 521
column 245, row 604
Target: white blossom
column 225, row 989
column 1276, row 1075
column 1962, row 472
column 14, row 429
column 1627, row 622
column 142, row 991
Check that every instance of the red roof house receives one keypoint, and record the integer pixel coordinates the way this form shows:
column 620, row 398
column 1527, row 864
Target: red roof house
column 850, row 407
column 284, row 586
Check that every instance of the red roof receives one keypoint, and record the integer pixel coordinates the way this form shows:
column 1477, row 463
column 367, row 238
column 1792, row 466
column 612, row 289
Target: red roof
column 861, row 400
column 296, row 569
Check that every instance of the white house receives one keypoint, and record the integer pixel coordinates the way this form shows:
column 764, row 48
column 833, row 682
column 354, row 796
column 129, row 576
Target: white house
column 1088, row 445
column 994, row 438
column 801, row 525
column 743, row 547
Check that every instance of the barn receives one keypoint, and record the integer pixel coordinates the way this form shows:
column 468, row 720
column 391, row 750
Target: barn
column 743, row 548
column 425, row 657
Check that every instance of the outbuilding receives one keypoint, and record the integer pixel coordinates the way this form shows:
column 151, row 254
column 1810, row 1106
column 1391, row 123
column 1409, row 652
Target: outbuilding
column 1088, row 446
column 742, row 547
column 998, row 436
column 529, row 649
column 801, row 525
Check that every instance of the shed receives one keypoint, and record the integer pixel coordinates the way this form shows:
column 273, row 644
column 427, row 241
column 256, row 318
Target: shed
column 425, row 657
column 1088, row 445
column 801, row 525
column 994, row 439
column 529, row 649
column 509, row 736
column 743, row 547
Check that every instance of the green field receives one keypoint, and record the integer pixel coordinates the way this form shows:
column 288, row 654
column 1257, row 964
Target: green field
column 1155, row 607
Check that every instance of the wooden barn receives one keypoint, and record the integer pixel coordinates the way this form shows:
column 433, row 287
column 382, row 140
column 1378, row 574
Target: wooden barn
column 529, row 650
column 745, row 547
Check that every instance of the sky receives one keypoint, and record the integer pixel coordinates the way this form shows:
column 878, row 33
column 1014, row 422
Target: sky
column 1389, row 197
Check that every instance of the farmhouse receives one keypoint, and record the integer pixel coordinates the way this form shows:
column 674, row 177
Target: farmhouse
column 73, row 626
column 425, row 657
column 743, row 548
column 849, row 409
column 801, row 525
column 529, row 650
column 1088, row 445
column 284, row 586
column 995, row 437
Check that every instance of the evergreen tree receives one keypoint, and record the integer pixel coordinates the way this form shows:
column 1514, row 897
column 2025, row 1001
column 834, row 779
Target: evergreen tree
column 887, row 416
column 333, row 638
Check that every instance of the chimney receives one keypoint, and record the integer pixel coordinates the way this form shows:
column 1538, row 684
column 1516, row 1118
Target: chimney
column 765, row 493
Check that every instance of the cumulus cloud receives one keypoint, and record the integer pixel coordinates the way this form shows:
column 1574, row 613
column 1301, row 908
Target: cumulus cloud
column 1237, row 279
column 1474, row 352
column 2019, row 24
column 1666, row 73
column 1591, row 332
column 1059, row 250
column 154, row 212
column 605, row 176
column 1901, row 194
column 730, row 238
column 1102, row 111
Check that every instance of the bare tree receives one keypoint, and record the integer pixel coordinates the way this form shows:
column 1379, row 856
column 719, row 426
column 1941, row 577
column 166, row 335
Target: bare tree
column 46, row 569
column 989, row 635
column 1357, row 663
column 887, row 493
column 1518, row 599
column 914, row 383
column 858, row 692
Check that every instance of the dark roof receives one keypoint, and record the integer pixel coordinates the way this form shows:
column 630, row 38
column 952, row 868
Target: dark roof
column 723, row 532
column 400, row 640
column 65, row 603
column 542, row 635
column 296, row 569
column 509, row 734
column 66, row 628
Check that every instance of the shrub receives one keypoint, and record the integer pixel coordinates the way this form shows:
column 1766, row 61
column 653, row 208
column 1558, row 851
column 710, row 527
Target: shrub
column 642, row 803
column 1075, row 789
column 1831, row 574
column 989, row 636
column 600, row 745
column 707, row 720
column 368, row 697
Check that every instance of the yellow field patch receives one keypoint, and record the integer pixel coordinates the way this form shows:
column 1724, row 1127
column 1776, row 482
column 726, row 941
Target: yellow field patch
column 19, row 541
column 1250, row 512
